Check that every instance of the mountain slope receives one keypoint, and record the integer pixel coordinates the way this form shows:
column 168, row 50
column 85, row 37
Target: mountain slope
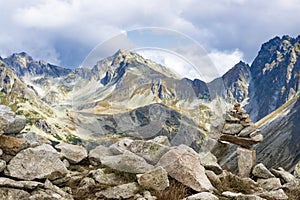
column 280, row 129
column 275, row 76
column 233, row 85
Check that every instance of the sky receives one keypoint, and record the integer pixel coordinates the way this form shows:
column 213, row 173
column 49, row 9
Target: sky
column 64, row 32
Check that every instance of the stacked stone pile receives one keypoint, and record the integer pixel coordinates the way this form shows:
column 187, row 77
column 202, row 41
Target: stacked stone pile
column 238, row 123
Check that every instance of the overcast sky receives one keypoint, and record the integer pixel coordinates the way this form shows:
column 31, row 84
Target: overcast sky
column 63, row 32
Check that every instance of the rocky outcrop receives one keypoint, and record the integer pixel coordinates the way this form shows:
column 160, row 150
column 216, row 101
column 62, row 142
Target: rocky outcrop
column 37, row 163
column 73, row 153
column 179, row 166
column 127, row 162
column 10, row 123
column 121, row 171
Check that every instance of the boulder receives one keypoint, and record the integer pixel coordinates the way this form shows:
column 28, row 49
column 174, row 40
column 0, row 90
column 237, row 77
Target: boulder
column 120, row 147
column 202, row 196
column 2, row 165
column 27, row 185
column 36, row 163
column 146, row 196
column 156, row 179
column 213, row 178
column 96, row 154
column 186, row 168
column 10, row 123
column 106, row 179
column 297, row 170
column 15, row 126
column 11, row 145
column 246, row 160
column 57, row 190
column 127, row 162
column 270, row 183
column 124, row 191
column 260, row 171
column 33, row 139
column 73, row 153
column 149, row 150
column 248, row 197
column 232, row 129
column 231, row 195
column 210, row 162
column 285, row 176
column 11, row 194
column 162, row 140
column 274, row 194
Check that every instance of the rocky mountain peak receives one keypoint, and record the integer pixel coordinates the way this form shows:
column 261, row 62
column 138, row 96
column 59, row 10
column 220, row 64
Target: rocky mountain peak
column 275, row 74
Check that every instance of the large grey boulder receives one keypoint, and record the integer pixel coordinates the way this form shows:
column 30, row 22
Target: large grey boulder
column 10, row 123
column 274, row 194
column 127, row 162
column 106, row 179
column 202, row 196
column 37, row 163
column 285, row 176
column 186, row 168
column 260, row 171
column 270, row 183
column 124, row 191
column 149, row 150
column 248, row 197
column 11, row 194
column 97, row 153
column 73, row 153
column 210, row 162
column 120, row 147
column 156, row 179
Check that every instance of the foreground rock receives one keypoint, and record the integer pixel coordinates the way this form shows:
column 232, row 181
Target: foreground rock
column 37, row 163
column 124, row 191
column 11, row 194
column 127, row 162
column 261, row 171
column 202, row 196
column 210, row 162
column 11, row 145
column 73, row 153
column 149, row 150
column 10, row 123
column 186, row 168
column 156, row 179
column 96, row 154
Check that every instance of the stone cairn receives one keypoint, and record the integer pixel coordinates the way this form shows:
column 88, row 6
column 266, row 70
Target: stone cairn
column 238, row 129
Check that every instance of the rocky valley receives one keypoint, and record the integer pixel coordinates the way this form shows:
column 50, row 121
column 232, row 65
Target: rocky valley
column 129, row 128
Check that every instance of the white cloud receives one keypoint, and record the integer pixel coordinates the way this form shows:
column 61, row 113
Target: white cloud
column 224, row 61
column 35, row 26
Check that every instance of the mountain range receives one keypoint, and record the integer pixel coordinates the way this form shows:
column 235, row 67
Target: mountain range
column 126, row 95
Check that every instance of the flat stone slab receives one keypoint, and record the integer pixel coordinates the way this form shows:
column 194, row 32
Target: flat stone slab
column 242, row 141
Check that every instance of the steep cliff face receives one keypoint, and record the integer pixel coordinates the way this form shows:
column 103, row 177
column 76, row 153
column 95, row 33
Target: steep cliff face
column 275, row 76
column 280, row 146
column 233, row 85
